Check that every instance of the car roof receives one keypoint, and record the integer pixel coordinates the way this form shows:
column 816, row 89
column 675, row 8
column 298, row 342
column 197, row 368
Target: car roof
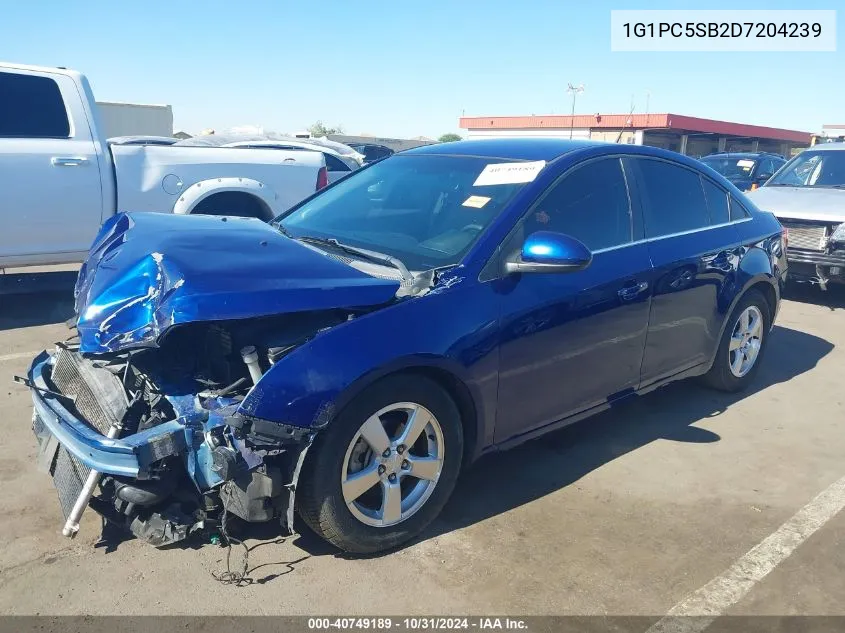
column 513, row 148
column 142, row 140
column 740, row 155
column 297, row 144
column 827, row 147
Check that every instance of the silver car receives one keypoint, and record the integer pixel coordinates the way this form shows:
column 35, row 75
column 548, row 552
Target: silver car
column 807, row 195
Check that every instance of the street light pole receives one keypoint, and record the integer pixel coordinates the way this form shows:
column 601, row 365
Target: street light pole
column 574, row 90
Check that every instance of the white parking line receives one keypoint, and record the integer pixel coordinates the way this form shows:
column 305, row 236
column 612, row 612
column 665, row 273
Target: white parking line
column 19, row 355
column 714, row 598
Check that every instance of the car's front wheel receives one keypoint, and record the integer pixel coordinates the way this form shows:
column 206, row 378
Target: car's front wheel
column 743, row 343
column 385, row 467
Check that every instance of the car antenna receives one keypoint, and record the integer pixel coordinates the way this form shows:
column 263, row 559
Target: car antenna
column 628, row 121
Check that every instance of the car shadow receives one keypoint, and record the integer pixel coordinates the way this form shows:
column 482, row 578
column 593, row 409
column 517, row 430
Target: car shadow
column 33, row 299
column 503, row 481
column 832, row 298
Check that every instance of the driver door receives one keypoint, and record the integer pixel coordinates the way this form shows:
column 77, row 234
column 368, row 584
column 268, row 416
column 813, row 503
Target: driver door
column 572, row 341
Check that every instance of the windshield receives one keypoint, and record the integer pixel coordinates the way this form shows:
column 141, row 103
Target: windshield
column 731, row 168
column 422, row 209
column 812, row 169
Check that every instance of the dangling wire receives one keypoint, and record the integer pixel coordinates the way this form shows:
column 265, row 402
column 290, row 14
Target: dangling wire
column 238, row 578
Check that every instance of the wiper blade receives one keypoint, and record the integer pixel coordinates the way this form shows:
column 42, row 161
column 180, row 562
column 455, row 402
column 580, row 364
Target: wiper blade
column 373, row 256
column 283, row 230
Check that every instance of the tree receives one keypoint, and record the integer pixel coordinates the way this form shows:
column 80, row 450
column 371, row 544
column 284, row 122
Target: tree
column 448, row 138
column 318, row 129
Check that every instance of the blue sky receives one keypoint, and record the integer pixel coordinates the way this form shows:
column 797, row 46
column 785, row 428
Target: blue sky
column 409, row 68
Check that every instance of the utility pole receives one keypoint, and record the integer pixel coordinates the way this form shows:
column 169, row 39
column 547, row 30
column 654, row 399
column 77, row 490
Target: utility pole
column 574, row 91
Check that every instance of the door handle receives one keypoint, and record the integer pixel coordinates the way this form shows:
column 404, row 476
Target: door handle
column 632, row 290
column 69, row 161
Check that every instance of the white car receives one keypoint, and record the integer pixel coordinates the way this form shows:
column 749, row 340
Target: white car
column 338, row 165
column 340, row 148
column 142, row 140
column 807, row 195
column 60, row 178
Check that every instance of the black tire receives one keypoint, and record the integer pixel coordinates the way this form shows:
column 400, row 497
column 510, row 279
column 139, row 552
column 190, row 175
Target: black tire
column 319, row 497
column 720, row 376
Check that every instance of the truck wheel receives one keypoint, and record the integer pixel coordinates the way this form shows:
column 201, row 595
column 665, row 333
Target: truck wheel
column 233, row 203
column 385, row 467
column 743, row 343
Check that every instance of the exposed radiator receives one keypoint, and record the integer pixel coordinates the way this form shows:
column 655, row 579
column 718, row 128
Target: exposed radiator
column 98, row 395
column 68, row 473
column 811, row 237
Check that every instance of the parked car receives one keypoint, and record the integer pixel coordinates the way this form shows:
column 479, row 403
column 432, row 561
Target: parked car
column 745, row 170
column 340, row 148
column 337, row 165
column 808, row 197
column 142, row 140
column 60, row 178
column 347, row 359
column 372, row 152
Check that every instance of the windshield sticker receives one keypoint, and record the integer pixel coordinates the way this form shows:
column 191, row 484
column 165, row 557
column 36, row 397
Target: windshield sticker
column 476, row 202
column 509, row 173
column 745, row 163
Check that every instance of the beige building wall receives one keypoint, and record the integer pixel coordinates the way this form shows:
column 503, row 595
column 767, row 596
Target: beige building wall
column 134, row 119
column 629, row 137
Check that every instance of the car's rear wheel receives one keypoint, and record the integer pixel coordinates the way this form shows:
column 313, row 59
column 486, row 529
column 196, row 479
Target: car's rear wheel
column 385, row 467
column 743, row 343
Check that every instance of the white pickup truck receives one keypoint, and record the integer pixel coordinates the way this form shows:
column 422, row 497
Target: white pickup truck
column 60, row 179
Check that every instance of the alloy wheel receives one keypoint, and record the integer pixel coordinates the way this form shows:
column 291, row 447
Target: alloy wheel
column 392, row 464
column 746, row 341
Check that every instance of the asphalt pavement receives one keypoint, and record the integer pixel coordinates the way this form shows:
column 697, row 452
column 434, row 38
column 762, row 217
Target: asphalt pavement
column 653, row 506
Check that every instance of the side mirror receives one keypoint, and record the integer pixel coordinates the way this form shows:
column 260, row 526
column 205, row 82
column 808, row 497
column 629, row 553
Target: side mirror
column 547, row 252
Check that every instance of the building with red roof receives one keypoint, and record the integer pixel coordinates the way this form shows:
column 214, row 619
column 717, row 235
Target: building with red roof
column 689, row 135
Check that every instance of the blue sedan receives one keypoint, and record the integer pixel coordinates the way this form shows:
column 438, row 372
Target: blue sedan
column 346, row 360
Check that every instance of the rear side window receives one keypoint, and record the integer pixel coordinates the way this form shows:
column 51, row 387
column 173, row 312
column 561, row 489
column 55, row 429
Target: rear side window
column 591, row 204
column 673, row 198
column 717, row 202
column 767, row 166
column 333, row 163
column 738, row 212
column 31, row 107
column 379, row 152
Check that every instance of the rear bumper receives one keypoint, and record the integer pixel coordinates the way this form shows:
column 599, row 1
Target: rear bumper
column 129, row 456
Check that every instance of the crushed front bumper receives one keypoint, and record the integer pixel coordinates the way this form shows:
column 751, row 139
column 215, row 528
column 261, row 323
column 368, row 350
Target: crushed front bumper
column 128, row 456
column 70, row 448
column 79, row 443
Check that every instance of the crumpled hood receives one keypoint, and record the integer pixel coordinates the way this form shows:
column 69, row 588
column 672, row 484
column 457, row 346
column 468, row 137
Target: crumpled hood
column 147, row 272
column 801, row 203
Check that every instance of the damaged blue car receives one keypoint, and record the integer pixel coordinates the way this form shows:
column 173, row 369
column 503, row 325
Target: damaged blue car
column 345, row 360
